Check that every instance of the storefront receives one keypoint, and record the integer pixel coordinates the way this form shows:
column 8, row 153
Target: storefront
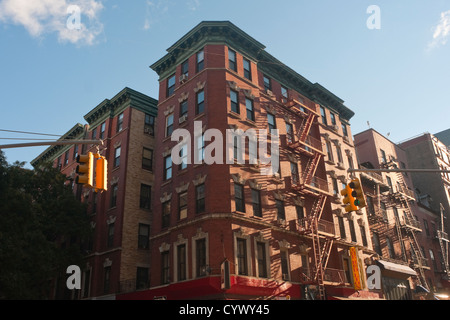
column 395, row 280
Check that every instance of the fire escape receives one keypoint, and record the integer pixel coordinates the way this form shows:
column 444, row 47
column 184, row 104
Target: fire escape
column 400, row 197
column 442, row 236
column 321, row 232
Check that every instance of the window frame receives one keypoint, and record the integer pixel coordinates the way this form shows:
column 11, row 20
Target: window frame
column 171, row 87
column 200, row 64
column 250, row 111
column 145, row 197
column 247, row 71
column 232, row 64
column 239, row 201
column 200, row 104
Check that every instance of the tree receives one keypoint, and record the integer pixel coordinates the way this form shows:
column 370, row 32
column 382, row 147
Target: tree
column 42, row 227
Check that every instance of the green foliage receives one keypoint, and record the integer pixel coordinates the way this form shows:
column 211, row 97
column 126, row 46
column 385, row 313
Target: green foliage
column 41, row 228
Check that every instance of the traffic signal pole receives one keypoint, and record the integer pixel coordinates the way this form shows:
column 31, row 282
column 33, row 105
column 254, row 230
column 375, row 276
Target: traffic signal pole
column 50, row 143
column 397, row 170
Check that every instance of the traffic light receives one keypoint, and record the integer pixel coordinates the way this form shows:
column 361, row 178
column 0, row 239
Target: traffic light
column 85, row 170
column 101, row 173
column 349, row 200
column 357, row 193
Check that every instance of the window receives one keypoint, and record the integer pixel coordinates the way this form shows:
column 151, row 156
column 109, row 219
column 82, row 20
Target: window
column 250, row 111
column 333, row 118
column 200, row 106
column 341, row 227
column 168, row 168
column 350, row 162
column 284, row 256
column 239, row 197
column 200, row 60
column 362, row 230
column 142, row 278
column 183, row 108
column 390, row 248
column 149, row 124
column 115, row 189
column 335, row 187
column 294, row 173
column 271, row 121
column 102, row 130
column 232, row 60
column 87, row 282
column 169, row 125
column 323, row 115
column 66, row 158
column 145, row 197
column 427, row 230
column 75, row 152
column 181, row 262
column 200, row 149
column 344, row 130
column 147, row 159
column 110, row 240
column 143, row 236
column 351, row 223
column 165, row 214
column 289, row 132
column 284, row 92
column 119, row 122
column 170, row 85
column 280, row 210
column 256, row 201
column 183, row 157
column 200, row 248
column 329, row 151
column 267, row 83
column 182, row 205
column 242, row 256
column 234, row 98
column 165, row 267
column 300, row 210
column 200, row 198
column 185, row 68
column 383, row 156
column 94, row 134
column 376, row 243
column 247, row 69
column 106, row 279
column 262, row 262
column 117, row 157
column 339, row 154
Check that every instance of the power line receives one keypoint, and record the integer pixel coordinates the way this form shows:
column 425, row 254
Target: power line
column 31, row 139
column 27, row 132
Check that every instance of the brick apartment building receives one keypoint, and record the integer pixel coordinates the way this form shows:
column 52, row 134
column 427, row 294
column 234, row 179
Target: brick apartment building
column 117, row 256
column 277, row 232
column 428, row 152
column 398, row 222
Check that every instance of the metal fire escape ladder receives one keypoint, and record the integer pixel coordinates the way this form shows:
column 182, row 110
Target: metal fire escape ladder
column 411, row 233
column 306, row 127
column 311, row 168
column 319, row 256
column 442, row 236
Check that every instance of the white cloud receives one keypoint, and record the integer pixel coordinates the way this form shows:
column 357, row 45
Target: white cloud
column 441, row 32
column 193, row 4
column 40, row 17
column 154, row 11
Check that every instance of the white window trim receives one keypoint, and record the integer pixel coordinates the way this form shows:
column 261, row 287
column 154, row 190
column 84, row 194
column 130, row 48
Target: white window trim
column 180, row 241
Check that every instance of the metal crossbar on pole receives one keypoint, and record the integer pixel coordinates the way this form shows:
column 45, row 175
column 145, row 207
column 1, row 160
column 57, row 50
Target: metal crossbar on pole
column 50, row 143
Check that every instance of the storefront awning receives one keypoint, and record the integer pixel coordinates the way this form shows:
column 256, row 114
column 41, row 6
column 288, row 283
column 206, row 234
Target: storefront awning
column 396, row 267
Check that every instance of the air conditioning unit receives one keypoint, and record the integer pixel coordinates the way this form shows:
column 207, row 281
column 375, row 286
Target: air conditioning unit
column 182, row 119
column 148, row 130
column 183, row 78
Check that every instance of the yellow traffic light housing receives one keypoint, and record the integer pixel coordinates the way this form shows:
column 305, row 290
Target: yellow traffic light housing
column 85, row 170
column 101, row 173
column 358, row 193
column 349, row 200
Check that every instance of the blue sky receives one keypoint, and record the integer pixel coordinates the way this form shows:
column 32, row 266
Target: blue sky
column 396, row 77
